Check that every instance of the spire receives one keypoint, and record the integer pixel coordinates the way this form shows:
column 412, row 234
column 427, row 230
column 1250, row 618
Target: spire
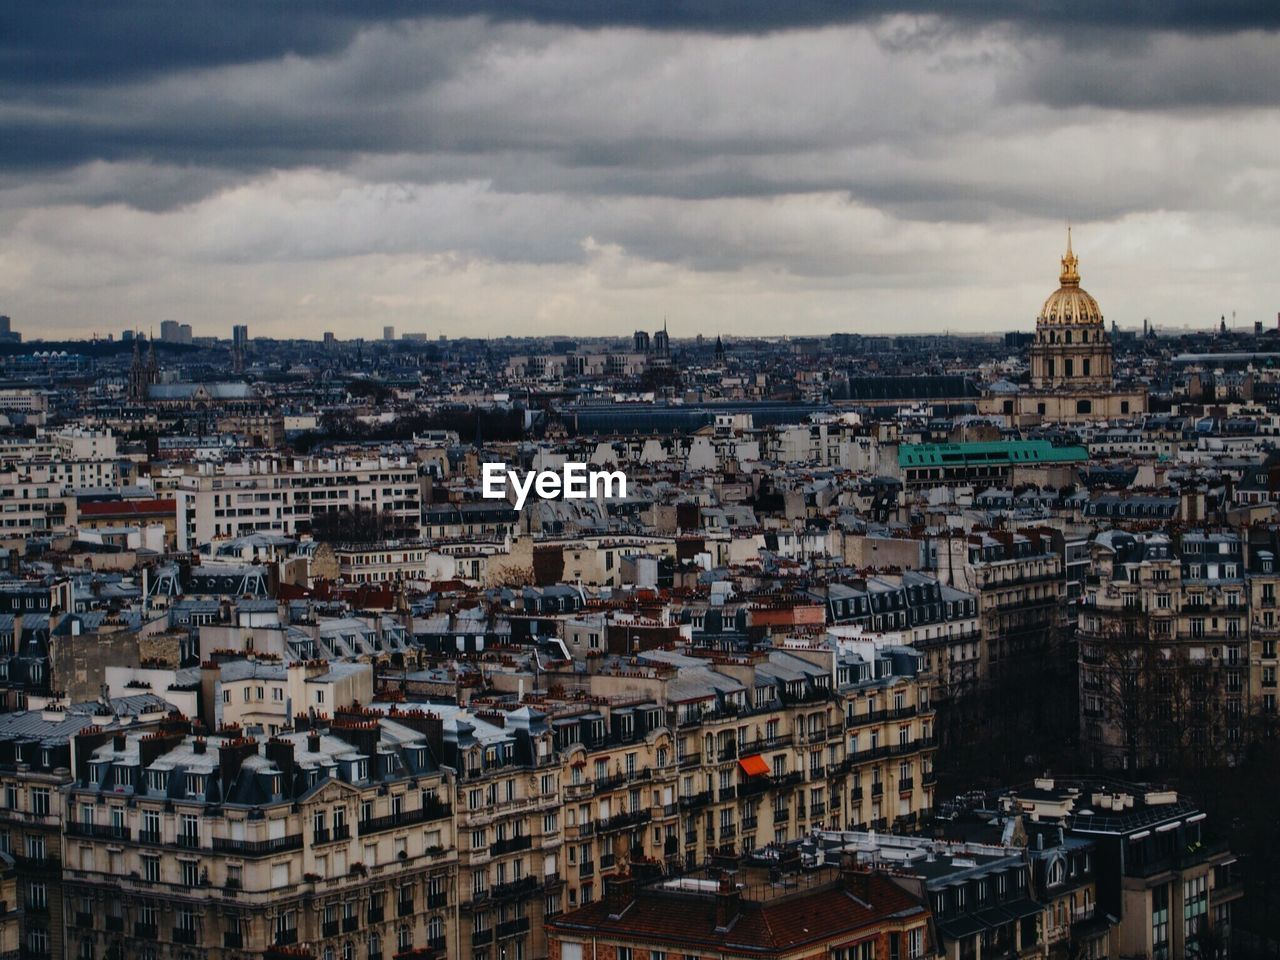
column 1069, row 276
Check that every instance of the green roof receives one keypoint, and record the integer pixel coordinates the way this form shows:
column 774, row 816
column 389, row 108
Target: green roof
column 997, row 452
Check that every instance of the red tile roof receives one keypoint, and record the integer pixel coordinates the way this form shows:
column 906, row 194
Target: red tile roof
column 128, row 508
column 829, row 914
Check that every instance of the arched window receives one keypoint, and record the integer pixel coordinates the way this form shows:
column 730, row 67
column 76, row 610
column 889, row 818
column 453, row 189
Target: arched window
column 1057, row 872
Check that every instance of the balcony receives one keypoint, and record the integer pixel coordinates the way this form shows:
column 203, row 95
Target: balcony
column 587, row 869
column 727, row 793
column 866, row 756
column 325, row 835
column 149, row 836
column 608, row 861
column 84, row 921
column 728, row 831
column 437, row 900
column 513, row 928
column 286, row 938
column 781, row 814
column 855, row 795
column 95, row 831
column 233, row 940
column 436, row 943
column 258, row 848
column 604, row 784
column 114, row 924
column 405, row 818
column 329, row 929
column 623, row 821
column 351, row 923
column 696, row 800
column 192, row 840
column 481, row 938
column 146, row 931
column 404, row 908
column 906, row 784
column 787, row 779
column 690, row 760
column 817, row 809
column 184, row 935
column 877, row 790
column 510, row 845
column 374, row 914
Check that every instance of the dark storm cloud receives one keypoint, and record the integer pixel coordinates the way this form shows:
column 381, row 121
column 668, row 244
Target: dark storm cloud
column 86, row 41
column 568, row 153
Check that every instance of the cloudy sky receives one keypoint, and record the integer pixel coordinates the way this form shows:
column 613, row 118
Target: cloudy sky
column 556, row 166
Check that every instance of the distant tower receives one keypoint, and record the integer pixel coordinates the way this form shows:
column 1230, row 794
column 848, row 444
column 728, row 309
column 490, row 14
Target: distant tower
column 239, row 346
column 719, row 349
column 641, row 341
column 661, row 347
column 142, row 374
column 388, row 333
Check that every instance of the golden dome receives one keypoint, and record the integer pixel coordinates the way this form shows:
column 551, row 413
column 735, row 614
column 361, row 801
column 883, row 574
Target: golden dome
column 1070, row 304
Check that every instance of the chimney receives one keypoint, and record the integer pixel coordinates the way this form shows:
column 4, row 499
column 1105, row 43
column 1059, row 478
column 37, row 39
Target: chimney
column 728, row 902
column 280, row 752
column 619, row 894
column 855, row 879
column 231, row 756
column 118, row 743
column 313, row 742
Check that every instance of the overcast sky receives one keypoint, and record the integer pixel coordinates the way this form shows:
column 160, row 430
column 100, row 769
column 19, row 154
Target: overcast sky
column 554, row 166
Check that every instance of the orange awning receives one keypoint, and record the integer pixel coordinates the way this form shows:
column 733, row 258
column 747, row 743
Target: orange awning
column 754, row 765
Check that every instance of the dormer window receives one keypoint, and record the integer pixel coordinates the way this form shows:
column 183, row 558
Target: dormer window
column 195, row 785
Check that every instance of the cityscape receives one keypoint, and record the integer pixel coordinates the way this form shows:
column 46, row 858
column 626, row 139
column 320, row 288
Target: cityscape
column 559, row 481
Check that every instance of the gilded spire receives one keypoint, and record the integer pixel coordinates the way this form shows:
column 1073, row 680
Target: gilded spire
column 1069, row 276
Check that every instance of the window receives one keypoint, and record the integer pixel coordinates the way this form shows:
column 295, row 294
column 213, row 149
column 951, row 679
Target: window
column 151, row 869
column 1195, row 907
column 1160, row 923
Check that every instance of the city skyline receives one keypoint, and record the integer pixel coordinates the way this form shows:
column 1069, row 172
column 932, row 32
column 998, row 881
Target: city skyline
column 564, row 169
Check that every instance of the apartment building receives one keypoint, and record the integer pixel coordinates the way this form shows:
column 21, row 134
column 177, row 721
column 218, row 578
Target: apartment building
column 267, row 694
column 35, row 767
column 1177, row 647
column 33, row 507
column 507, row 823
column 339, row 837
column 919, row 611
column 1019, row 579
column 752, row 909
column 1164, row 873
column 697, row 756
column 272, row 495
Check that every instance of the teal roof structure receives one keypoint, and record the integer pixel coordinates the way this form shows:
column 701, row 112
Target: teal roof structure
column 996, row 453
